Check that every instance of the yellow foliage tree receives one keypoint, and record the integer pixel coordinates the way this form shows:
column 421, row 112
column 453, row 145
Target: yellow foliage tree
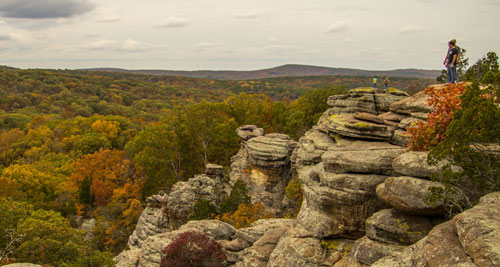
column 245, row 215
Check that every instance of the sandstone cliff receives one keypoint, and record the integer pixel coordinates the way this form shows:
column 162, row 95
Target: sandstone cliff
column 362, row 197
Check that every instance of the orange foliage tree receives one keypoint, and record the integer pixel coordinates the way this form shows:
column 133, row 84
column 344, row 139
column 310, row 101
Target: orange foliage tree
column 426, row 135
column 112, row 189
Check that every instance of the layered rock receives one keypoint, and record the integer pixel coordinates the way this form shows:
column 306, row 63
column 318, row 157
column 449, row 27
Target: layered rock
column 471, row 238
column 407, row 194
column 263, row 164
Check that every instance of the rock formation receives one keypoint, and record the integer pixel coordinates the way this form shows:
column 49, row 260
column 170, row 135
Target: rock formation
column 263, row 164
column 363, row 197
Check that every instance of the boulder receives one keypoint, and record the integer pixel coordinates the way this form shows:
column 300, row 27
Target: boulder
column 415, row 103
column 384, row 101
column 471, row 238
column 361, row 157
column 259, row 228
column 391, row 116
column 407, row 194
column 347, row 125
column 258, row 254
column 247, row 132
column 368, row 251
column 184, row 195
column 478, row 230
column 272, row 150
column 342, row 104
column 414, row 163
column 312, row 146
column 308, row 252
column 390, row 226
column 336, row 204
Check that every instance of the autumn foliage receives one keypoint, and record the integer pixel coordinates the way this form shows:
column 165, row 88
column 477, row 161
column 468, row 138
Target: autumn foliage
column 245, row 215
column 444, row 101
column 193, row 249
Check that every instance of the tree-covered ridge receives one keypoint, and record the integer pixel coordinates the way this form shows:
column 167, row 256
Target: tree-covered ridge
column 72, row 93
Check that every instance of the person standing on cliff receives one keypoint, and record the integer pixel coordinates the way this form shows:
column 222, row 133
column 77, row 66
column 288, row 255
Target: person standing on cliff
column 375, row 82
column 386, row 84
column 451, row 61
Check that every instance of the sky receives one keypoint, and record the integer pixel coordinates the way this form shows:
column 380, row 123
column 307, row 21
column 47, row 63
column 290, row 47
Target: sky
column 243, row 35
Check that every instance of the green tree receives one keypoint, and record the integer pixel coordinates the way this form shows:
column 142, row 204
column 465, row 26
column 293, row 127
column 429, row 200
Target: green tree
column 481, row 67
column 307, row 109
column 471, row 142
column 49, row 239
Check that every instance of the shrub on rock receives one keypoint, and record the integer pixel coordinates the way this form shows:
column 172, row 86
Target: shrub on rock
column 193, row 249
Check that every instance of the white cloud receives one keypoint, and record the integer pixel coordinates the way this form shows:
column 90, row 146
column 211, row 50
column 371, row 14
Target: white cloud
column 247, row 15
column 172, row 22
column 410, row 29
column 128, row 45
column 347, row 40
column 339, row 26
column 109, row 19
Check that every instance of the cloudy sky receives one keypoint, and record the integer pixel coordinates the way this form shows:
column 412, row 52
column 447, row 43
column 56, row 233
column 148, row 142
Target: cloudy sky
column 243, row 35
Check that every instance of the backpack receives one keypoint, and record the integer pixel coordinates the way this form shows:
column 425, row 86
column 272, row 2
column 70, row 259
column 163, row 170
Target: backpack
column 459, row 54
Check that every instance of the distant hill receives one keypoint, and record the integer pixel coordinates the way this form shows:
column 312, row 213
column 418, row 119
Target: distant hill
column 281, row 71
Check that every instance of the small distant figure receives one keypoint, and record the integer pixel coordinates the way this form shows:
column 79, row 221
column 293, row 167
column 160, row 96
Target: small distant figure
column 451, row 61
column 375, row 82
column 386, row 84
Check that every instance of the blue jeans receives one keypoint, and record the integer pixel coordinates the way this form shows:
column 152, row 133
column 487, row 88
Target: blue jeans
column 452, row 73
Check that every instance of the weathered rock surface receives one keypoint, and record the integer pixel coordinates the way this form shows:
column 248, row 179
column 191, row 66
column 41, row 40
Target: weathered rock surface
column 255, row 231
column 152, row 220
column 149, row 254
column 407, row 194
column 415, row 103
column 336, row 204
column 184, row 195
column 247, row 132
column 347, row 125
column 272, row 150
column 258, row 254
column 307, row 252
column 471, row 238
column 390, row 226
column 368, row 251
column 263, row 164
column 414, row 163
column 361, row 157
column 312, row 146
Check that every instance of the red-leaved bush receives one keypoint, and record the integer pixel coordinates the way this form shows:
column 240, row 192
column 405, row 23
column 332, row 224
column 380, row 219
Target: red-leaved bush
column 426, row 135
column 193, row 249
